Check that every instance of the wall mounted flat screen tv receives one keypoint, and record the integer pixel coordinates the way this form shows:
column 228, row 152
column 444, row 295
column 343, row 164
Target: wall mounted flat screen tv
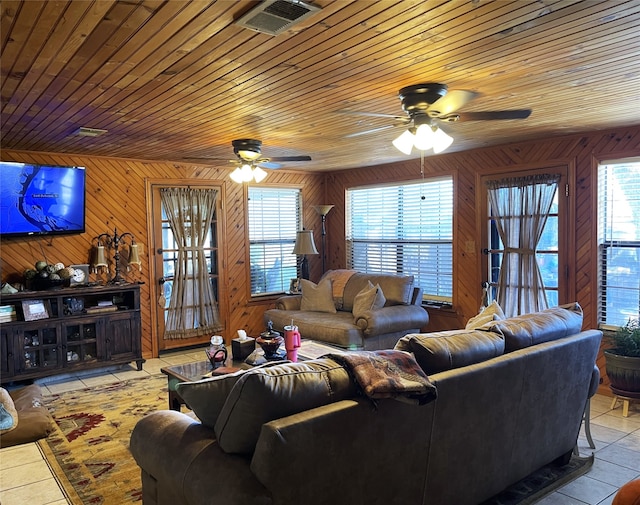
column 41, row 199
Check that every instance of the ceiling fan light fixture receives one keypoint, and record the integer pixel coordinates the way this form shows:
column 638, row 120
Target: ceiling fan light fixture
column 247, row 173
column 441, row 141
column 259, row 174
column 248, row 155
column 424, row 137
column 236, row 175
column 404, row 143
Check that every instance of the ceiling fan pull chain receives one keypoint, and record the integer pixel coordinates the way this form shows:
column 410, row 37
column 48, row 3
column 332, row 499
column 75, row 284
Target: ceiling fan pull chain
column 422, row 197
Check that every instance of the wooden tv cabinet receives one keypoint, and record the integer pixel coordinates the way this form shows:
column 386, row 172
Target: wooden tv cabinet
column 68, row 329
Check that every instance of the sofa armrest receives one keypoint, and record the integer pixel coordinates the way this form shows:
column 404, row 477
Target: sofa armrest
column 289, row 302
column 184, row 458
column 392, row 319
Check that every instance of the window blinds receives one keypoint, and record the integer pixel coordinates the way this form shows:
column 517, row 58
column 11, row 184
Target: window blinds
column 274, row 219
column 404, row 229
column 619, row 242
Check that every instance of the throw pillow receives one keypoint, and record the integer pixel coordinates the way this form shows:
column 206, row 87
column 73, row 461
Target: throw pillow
column 8, row 412
column 446, row 350
column 206, row 397
column 369, row 298
column 317, row 297
column 493, row 312
column 272, row 393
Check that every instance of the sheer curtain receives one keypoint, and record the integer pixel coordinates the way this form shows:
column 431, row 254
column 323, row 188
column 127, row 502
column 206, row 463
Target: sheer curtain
column 193, row 309
column 520, row 207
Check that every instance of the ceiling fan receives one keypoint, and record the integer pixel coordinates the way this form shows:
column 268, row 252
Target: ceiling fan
column 250, row 151
column 428, row 104
column 250, row 162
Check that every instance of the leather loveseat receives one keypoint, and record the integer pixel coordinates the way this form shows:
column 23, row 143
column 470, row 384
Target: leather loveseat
column 343, row 310
column 510, row 399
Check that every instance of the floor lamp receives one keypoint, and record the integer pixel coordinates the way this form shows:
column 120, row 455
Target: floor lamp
column 304, row 245
column 323, row 210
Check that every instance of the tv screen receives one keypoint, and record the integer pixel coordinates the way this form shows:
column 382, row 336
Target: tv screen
column 41, row 199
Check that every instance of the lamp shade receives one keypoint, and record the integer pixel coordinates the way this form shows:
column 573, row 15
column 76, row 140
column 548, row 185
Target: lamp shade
column 404, row 143
column 304, row 243
column 259, row 174
column 441, row 141
column 134, row 256
column 323, row 210
column 100, row 258
column 423, row 139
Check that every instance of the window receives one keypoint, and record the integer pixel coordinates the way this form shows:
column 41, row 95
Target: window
column 404, row 229
column 274, row 218
column 619, row 241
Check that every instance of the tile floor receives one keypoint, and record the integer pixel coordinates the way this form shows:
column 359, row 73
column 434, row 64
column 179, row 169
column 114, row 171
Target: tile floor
column 25, row 477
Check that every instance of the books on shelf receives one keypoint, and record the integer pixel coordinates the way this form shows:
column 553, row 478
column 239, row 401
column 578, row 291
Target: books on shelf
column 8, row 313
column 100, row 309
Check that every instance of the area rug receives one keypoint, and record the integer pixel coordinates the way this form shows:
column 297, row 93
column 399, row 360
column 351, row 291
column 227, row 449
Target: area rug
column 89, row 450
column 543, row 482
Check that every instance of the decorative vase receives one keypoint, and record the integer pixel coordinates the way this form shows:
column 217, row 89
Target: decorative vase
column 217, row 351
column 623, row 373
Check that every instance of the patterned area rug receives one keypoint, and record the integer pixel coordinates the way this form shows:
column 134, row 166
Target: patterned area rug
column 89, row 449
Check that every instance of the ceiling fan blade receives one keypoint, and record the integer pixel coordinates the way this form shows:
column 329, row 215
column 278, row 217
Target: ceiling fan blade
column 495, row 114
column 366, row 132
column 452, row 101
column 269, row 164
column 289, row 158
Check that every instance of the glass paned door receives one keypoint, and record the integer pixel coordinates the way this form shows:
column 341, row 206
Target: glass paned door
column 166, row 258
column 551, row 251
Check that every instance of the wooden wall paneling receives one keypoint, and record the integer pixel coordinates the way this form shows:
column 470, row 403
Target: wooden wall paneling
column 116, row 197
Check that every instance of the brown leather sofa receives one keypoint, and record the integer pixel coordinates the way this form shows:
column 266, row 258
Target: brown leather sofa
column 295, row 434
column 372, row 329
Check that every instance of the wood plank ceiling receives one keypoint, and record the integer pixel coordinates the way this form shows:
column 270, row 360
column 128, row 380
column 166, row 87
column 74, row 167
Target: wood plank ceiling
column 177, row 80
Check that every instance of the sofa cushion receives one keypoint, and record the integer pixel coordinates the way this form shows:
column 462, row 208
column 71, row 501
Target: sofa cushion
column 492, row 312
column 271, row 393
column 530, row 329
column 369, row 298
column 445, row 350
column 317, row 297
column 8, row 412
column 398, row 289
column 206, row 397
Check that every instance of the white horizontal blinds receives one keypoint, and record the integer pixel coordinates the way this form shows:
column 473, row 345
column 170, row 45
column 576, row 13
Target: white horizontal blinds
column 619, row 241
column 404, row 229
column 274, row 219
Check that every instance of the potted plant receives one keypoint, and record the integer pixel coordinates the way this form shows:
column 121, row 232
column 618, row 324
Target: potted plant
column 623, row 360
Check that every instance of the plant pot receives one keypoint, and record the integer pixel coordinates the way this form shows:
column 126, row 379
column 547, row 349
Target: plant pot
column 624, row 374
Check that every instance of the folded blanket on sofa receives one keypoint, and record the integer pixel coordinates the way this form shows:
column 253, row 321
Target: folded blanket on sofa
column 387, row 374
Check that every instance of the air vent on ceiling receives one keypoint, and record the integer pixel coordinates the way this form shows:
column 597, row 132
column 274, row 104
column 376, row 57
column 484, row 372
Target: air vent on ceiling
column 83, row 131
column 276, row 16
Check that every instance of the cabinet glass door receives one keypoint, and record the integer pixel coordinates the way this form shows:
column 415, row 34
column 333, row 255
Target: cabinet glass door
column 40, row 348
column 81, row 343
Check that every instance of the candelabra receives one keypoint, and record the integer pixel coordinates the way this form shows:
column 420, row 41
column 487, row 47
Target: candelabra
column 114, row 242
